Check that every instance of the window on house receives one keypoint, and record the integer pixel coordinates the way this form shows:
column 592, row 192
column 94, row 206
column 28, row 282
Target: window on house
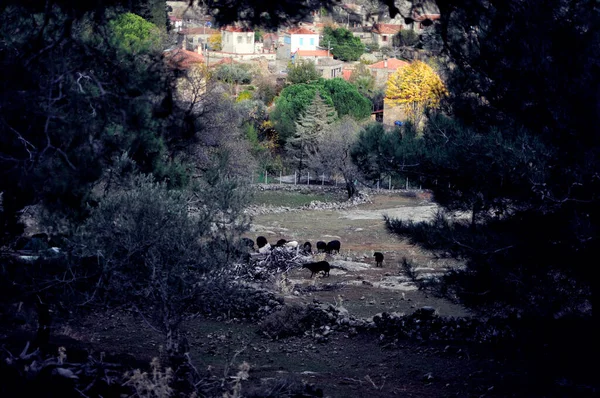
column 248, row 40
column 239, row 39
column 312, row 41
column 384, row 38
column 301, row 41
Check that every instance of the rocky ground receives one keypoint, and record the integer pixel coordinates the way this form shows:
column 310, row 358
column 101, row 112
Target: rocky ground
column 362, row 331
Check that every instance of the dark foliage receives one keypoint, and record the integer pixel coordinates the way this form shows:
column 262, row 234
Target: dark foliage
column 515, row 150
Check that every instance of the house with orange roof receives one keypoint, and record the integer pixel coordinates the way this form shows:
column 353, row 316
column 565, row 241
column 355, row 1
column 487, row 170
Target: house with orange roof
column 382, row 33
column 383, row 69
column 180, row 59
column 316, row 27
column 297, row 38
column 237, row 40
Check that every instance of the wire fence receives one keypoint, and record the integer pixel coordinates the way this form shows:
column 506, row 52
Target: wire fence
column 314, row 179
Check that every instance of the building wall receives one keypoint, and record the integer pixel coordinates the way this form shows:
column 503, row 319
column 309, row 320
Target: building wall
column 304, row 42
column 237, row 42
column 392, row 113
column 382, row 40
column 330, row 72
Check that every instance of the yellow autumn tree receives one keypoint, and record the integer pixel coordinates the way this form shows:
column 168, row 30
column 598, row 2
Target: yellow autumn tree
column 214, row 41
column 415, row 87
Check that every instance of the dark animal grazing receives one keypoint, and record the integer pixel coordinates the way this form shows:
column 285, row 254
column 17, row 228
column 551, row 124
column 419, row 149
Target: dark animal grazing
column 333, row 246
column 307, row 247
column 321, row 246
column 318, row 267
column 261, row 241
column 280, row 243
column 249, row 243
column 378, row 259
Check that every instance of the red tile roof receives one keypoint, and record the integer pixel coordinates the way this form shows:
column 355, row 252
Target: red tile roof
column 236, row 29
column 313, row 53
column 386, row 29
column 391, row 64
column 183, row 59
column 346, row 73
column 300, row 31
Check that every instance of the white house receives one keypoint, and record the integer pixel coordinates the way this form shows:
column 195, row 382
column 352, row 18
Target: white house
column 295, row 39
column 237, row 40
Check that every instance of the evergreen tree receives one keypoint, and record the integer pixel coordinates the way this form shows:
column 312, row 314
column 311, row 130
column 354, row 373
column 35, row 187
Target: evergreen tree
column 294, row 99
column 302, row 72
column 311, row 126
column 345, row 46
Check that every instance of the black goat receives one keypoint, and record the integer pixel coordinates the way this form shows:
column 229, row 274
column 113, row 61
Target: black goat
column 307, row 247
column 333, row 246
column 280, row 243
column 261, row 241
column 318, row 267
column 378, row 259
column 249, row 243
column 321, row 246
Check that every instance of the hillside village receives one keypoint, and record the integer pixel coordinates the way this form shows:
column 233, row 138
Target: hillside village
column 273, row 199
column 200, row 42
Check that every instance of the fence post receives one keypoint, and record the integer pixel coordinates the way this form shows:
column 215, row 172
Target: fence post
column 280, row 176
column 295, row 181
column 308, row 178
column 407, row 183
column 378, row 185
column 390, row 188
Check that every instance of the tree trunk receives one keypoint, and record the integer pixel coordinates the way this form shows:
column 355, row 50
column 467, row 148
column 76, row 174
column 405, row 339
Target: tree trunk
column 42, row 339
column 351, row 188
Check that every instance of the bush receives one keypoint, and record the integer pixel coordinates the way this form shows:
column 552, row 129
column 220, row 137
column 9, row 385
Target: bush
column 294, row 320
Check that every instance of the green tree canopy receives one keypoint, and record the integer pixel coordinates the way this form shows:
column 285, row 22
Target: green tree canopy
column 302, row 72
column 346, row 46
column 74, row 99
column 294, row 99
column 134, row 34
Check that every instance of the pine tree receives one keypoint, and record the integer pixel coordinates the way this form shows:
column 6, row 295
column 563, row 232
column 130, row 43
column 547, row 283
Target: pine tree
column 316, row 121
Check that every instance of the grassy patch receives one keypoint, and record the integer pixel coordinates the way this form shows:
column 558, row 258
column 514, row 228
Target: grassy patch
column 293, row 199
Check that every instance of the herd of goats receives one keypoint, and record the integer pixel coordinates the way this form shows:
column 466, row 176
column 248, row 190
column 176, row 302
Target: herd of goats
column 331, row 248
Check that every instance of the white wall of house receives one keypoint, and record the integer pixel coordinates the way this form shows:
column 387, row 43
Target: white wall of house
column 237, row 42
column 304, row 42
